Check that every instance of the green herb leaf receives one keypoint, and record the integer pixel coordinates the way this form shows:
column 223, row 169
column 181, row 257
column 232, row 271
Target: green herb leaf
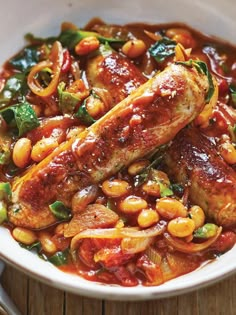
column 60, row 211
column 3, row 211
column 163, row 49
column 177, row 188
column 33, row 40
column 83, row 114
column 35, row 246
column 144, row 175
column 70, row 38
column 5, row 191
column 201, row 68
column 232, row 89
column 232, row 132
column 15, row 87
column 11, row 169
column 206, row 231
column 5, row 156
column 26, row 59
column 165, row 190
column 105, row 49
column 22, row 116
column 67, row 101
column 60, row 258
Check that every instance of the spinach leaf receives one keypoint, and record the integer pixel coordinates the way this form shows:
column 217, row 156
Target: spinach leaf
column 15, row 87
column 5, row 191
column 5, row 156
column 26, row 59
column 177, row 189
column 60, row 211
column 3, row 212
column 33, row 40
column 67, row 100
column 70, row 38
column 60, row 258
column 163, row 49
column 145, row 174
column 232, row 89
column 83, row 114
column 22, row 116
column 35, row 246
column 201, row 68
column 232, row 132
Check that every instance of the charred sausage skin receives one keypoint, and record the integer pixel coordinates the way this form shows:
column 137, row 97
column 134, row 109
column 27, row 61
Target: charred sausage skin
column 151, row 116
column 115, row 76
column 193, row 160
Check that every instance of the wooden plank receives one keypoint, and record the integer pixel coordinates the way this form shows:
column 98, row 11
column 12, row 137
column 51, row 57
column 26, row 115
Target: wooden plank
column 218, row 299
column 16, row 285
column 78, row 305
column 44, row 300
column 188, row 304
column 33, row 297
column 160, row 307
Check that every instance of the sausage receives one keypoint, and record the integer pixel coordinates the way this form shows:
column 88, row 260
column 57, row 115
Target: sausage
column 149, row 117
column 193, row 159
column 114, row 77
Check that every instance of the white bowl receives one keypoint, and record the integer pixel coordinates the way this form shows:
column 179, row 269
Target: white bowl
column 43, row 18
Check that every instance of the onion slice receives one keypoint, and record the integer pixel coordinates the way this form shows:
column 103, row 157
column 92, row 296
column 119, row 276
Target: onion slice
column 131, row 232
column 191, row 247
column 133, row 245
column 55, row 62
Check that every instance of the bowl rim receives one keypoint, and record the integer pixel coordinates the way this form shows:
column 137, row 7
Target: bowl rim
column 77, row 285
column 63, row 280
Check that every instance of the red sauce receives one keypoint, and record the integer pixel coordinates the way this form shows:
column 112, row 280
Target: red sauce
column 105, row 83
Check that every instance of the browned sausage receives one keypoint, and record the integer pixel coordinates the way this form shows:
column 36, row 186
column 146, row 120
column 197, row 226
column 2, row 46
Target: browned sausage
column 193, row 159
column 150, row 116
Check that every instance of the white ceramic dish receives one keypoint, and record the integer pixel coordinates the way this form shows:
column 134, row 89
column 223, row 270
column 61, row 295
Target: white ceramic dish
column 43, row 18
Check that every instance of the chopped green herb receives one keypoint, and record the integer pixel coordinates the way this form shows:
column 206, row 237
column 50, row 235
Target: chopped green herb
column 105, row 49
column 70, row 38
column 144, row 175
column 3, row 211
column 83, row 114
column 33, row 40
column 11, row 169
column 26, row 59
column 165, row 190
column 232, row 131
column 163, row 49
column 60, row 211
column 177, row 188
column 22, row 116
column 5, row 191
column 35, row 246
column 4, row 156
column 67, row 101
column 60, row 258
column 206, row 231
column 15, row 87
column 201, row 68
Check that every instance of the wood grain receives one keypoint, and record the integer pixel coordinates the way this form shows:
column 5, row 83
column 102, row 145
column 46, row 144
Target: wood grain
column 35, row 298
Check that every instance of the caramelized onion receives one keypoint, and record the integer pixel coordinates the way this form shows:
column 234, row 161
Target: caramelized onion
column 191, row 247
column 55, row 62
column 135, row 245
column 131, row 232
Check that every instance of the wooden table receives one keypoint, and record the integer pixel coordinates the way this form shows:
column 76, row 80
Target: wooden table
column 35, row 298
